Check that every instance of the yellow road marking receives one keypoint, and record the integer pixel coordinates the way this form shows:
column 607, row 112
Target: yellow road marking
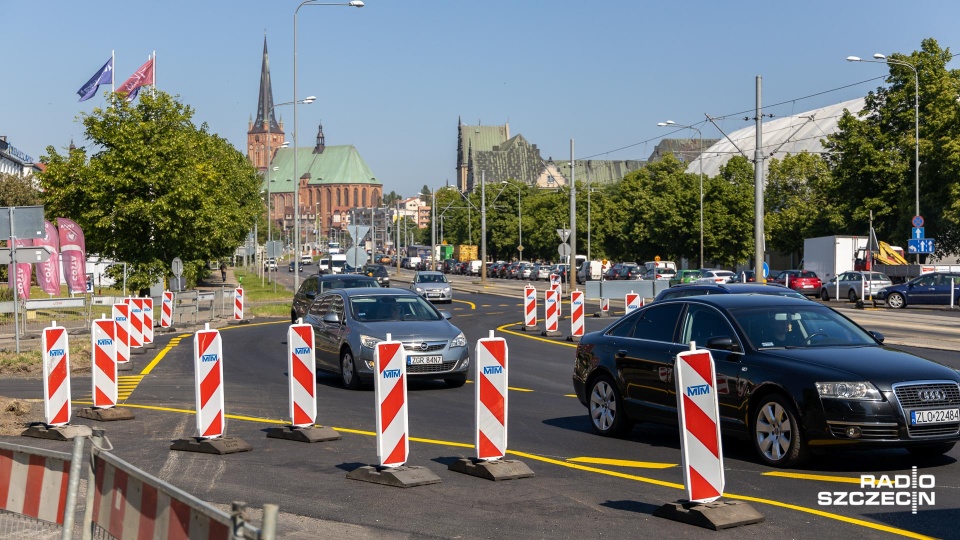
column 471, row 304
column 585, row 468
column 570, row 395
column 819, row 477
column 503, row 328
column 623, row 463
column 511, row 388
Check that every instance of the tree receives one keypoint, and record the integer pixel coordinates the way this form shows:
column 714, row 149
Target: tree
column 797, row 202
column 157, row 187
column 18, row 190
column 728, row 214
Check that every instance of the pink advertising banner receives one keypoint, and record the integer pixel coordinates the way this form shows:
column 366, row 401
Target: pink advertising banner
column 74, row 256
column 48, row 271
column 22, row 272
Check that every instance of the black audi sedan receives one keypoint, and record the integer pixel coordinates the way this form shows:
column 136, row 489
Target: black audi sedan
column 791, row 375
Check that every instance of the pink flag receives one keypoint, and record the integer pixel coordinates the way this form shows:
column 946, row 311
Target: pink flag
column 48, row 271
column 74, row 256
column 140, row 77
column 22, row 272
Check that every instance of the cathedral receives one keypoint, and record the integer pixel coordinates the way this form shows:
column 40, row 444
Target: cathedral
column 331, row 181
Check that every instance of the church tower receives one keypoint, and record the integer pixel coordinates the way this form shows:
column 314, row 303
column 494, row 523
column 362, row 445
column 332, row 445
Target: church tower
column 265, row 127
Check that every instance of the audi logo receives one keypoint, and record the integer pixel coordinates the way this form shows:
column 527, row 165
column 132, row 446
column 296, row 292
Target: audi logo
column 424, row 346
column 931, row 395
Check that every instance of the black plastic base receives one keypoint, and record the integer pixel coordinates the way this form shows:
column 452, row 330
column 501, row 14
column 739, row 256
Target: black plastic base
column 715, row 515
column 405, row 476
column 496, row 470
column 220, row 445
column 551, row 333
column 303, row 434
column 105, row 415
column 56, row 433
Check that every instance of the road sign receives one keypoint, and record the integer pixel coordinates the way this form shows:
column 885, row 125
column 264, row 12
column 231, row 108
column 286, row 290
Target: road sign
column 921, row 245
column 356, row 257
column 27, row 222
column 917, row 233
column 26, row 254
column 177, row 267
column 274, row 248
column 917, row 221
column 563, row 249
column 564, row 234
column 519, row 248
column 766, row 270
column 358, row 232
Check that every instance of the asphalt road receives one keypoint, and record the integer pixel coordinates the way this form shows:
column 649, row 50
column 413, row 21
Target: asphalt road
column 585, row 486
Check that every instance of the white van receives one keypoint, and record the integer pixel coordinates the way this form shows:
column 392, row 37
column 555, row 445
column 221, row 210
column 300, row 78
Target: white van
column 589, row 271
column 650, row 265
column 474, row 268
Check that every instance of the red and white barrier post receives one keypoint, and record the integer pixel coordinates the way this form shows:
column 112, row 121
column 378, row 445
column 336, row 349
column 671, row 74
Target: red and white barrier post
column 238, row 304
column 701, row 448
column 302, row 370
column 529, row 308
column 576, row 315
column 103, row 352
column 490, row 412
column 631, row 302
column 147, row 320
column 136, row 322
column 55, row 348
column 604, row 307
column 393, row 440
column 556, row 284
column 551, row 303
column 166, row 310
column 208, row 391
column 121, row 315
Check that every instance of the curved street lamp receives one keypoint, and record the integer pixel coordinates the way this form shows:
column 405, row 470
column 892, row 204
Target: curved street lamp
column 296, row 178
column 671, row 123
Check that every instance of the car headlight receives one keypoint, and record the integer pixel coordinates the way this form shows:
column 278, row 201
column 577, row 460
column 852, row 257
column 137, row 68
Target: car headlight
column 848, row 390
column 419, row 289
column 369, row 341
column 446, row 289
column 459, row 341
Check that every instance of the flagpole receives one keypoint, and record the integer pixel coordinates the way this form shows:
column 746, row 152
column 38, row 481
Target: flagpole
column 113, row 71
column 154, row 73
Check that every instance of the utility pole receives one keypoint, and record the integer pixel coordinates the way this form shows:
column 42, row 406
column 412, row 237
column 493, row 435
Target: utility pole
column 758, row 190
column 573, row 220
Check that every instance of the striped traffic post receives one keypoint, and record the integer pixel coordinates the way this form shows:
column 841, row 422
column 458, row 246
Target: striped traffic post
column 238, row 304
column 604, row 307
column 136, row 322
column 529, row 308
column 556, row 284
column 551, row 302
column 631, row 302
column 147, row 320
column 390, row 386
column 700, row 445
column 576, row 315
column 121, row 315
column 166, row 310
column 55, row 349
column 103, row 352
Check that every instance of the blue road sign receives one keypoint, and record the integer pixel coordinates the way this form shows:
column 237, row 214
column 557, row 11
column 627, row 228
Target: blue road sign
column 766, row 270
column 917, row 233
column 917, row 221
column 921, row 245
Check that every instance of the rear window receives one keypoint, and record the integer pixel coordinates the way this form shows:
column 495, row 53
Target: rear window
column 808, row 274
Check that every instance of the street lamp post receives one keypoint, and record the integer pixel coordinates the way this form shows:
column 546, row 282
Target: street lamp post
column 296, row 177
column 882, row 59
column 671, row 123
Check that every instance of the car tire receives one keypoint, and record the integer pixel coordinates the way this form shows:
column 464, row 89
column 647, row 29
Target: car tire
column 852, row 295
column 608, row 417
column 455, row 382
column 931, row 451
column 348, row 370
column 824, row 295
column 896, row 301
column 777, row 435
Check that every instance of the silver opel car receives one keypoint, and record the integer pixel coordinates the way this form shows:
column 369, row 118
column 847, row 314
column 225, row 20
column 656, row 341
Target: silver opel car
column 433, row 286
column 348, row 324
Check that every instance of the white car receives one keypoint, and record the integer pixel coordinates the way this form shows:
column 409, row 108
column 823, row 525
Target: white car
column 270, row 264
column 716, row 276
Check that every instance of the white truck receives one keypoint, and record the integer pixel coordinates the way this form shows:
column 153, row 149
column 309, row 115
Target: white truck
column 829, row 256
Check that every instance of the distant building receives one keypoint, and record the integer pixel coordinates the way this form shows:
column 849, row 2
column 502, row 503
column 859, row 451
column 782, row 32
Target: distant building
column 13, row 161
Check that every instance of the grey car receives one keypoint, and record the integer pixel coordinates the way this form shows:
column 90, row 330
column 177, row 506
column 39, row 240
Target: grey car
column 314, row 285
column 348, row 324
column 433, row 286
column 853, row 285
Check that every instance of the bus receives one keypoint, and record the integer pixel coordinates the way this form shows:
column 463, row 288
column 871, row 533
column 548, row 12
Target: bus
column 333, row 248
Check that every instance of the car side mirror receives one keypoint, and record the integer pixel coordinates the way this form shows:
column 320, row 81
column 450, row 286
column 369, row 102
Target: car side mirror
column 723, row 343
column 311, row 294
column 877, row 335
column 331, row 317
column 446, row 314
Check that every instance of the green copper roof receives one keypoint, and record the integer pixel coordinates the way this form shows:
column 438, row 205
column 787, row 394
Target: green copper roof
column 336, row 165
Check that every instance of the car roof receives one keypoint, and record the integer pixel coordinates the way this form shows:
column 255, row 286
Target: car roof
column 730, row 301
column 734, row 289
column 344, row 277
column 429, row 273
column 382, row 291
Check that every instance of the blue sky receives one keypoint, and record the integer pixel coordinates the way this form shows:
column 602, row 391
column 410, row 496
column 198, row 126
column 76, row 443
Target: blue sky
column 393, row 77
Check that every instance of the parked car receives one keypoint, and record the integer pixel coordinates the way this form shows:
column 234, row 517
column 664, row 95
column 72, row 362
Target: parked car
column 433, row 286
column 660, row 274
column 791, row 375
column 932, row 288
column 708, row 275
column 313, row 286
column 590, row 271
column 746, row 276
column 854, row 284
column 802, row 281
column 614, row 271
column 631, row 271
column 685, row 276
column 695, row 289
column 379, row 273
column 525, row 271
column 348, row 324
column 543, row 272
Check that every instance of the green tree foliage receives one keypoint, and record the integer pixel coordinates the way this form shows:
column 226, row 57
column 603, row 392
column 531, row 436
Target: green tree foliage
column 728, row 209
column 18, row 190
column 797, row 202
column 155, row 187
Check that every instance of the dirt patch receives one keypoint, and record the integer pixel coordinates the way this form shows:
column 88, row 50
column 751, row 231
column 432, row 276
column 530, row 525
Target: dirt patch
column 17, row 414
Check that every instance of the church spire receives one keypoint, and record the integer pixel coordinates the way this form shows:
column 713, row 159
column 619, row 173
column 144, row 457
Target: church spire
column 265, row 105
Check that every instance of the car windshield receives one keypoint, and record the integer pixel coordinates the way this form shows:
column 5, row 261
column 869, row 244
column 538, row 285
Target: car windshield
column 392, row 308
column 431, row 278
column 799, row 327
column 347, row 283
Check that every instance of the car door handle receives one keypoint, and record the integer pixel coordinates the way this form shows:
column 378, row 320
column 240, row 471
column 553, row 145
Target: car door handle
column 622, row 353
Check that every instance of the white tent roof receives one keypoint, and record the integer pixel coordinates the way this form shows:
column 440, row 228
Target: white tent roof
column 781, row 136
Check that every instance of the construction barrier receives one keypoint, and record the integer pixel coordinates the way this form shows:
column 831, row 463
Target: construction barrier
column 530, row 306
column 490, row 402
column 34, row 484
column 390, row 385
column 302, row 368
column 605, row 306
column 121, row 315
column 208, row 383
column 104, row 355
column 238, row 304
column 556, row 284
column 55, row 355
column 700, row 446
column 136, row 322
column 576, row 314
column 551, row 307
column 147, row 321
column 631, row 302
column 166, row 310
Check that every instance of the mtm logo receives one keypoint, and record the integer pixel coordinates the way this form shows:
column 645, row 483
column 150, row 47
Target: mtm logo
column 104, row 342
column 121, row 319
column 208, row 358
column 301, row 350
column 698, row 390
column 57, row 352
column 492, row 370
column 391, row 374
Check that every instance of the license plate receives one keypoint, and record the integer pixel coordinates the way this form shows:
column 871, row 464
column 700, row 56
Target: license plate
column 423, row 360
column 434, row 294
column 934, row 416
column 808, row 286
